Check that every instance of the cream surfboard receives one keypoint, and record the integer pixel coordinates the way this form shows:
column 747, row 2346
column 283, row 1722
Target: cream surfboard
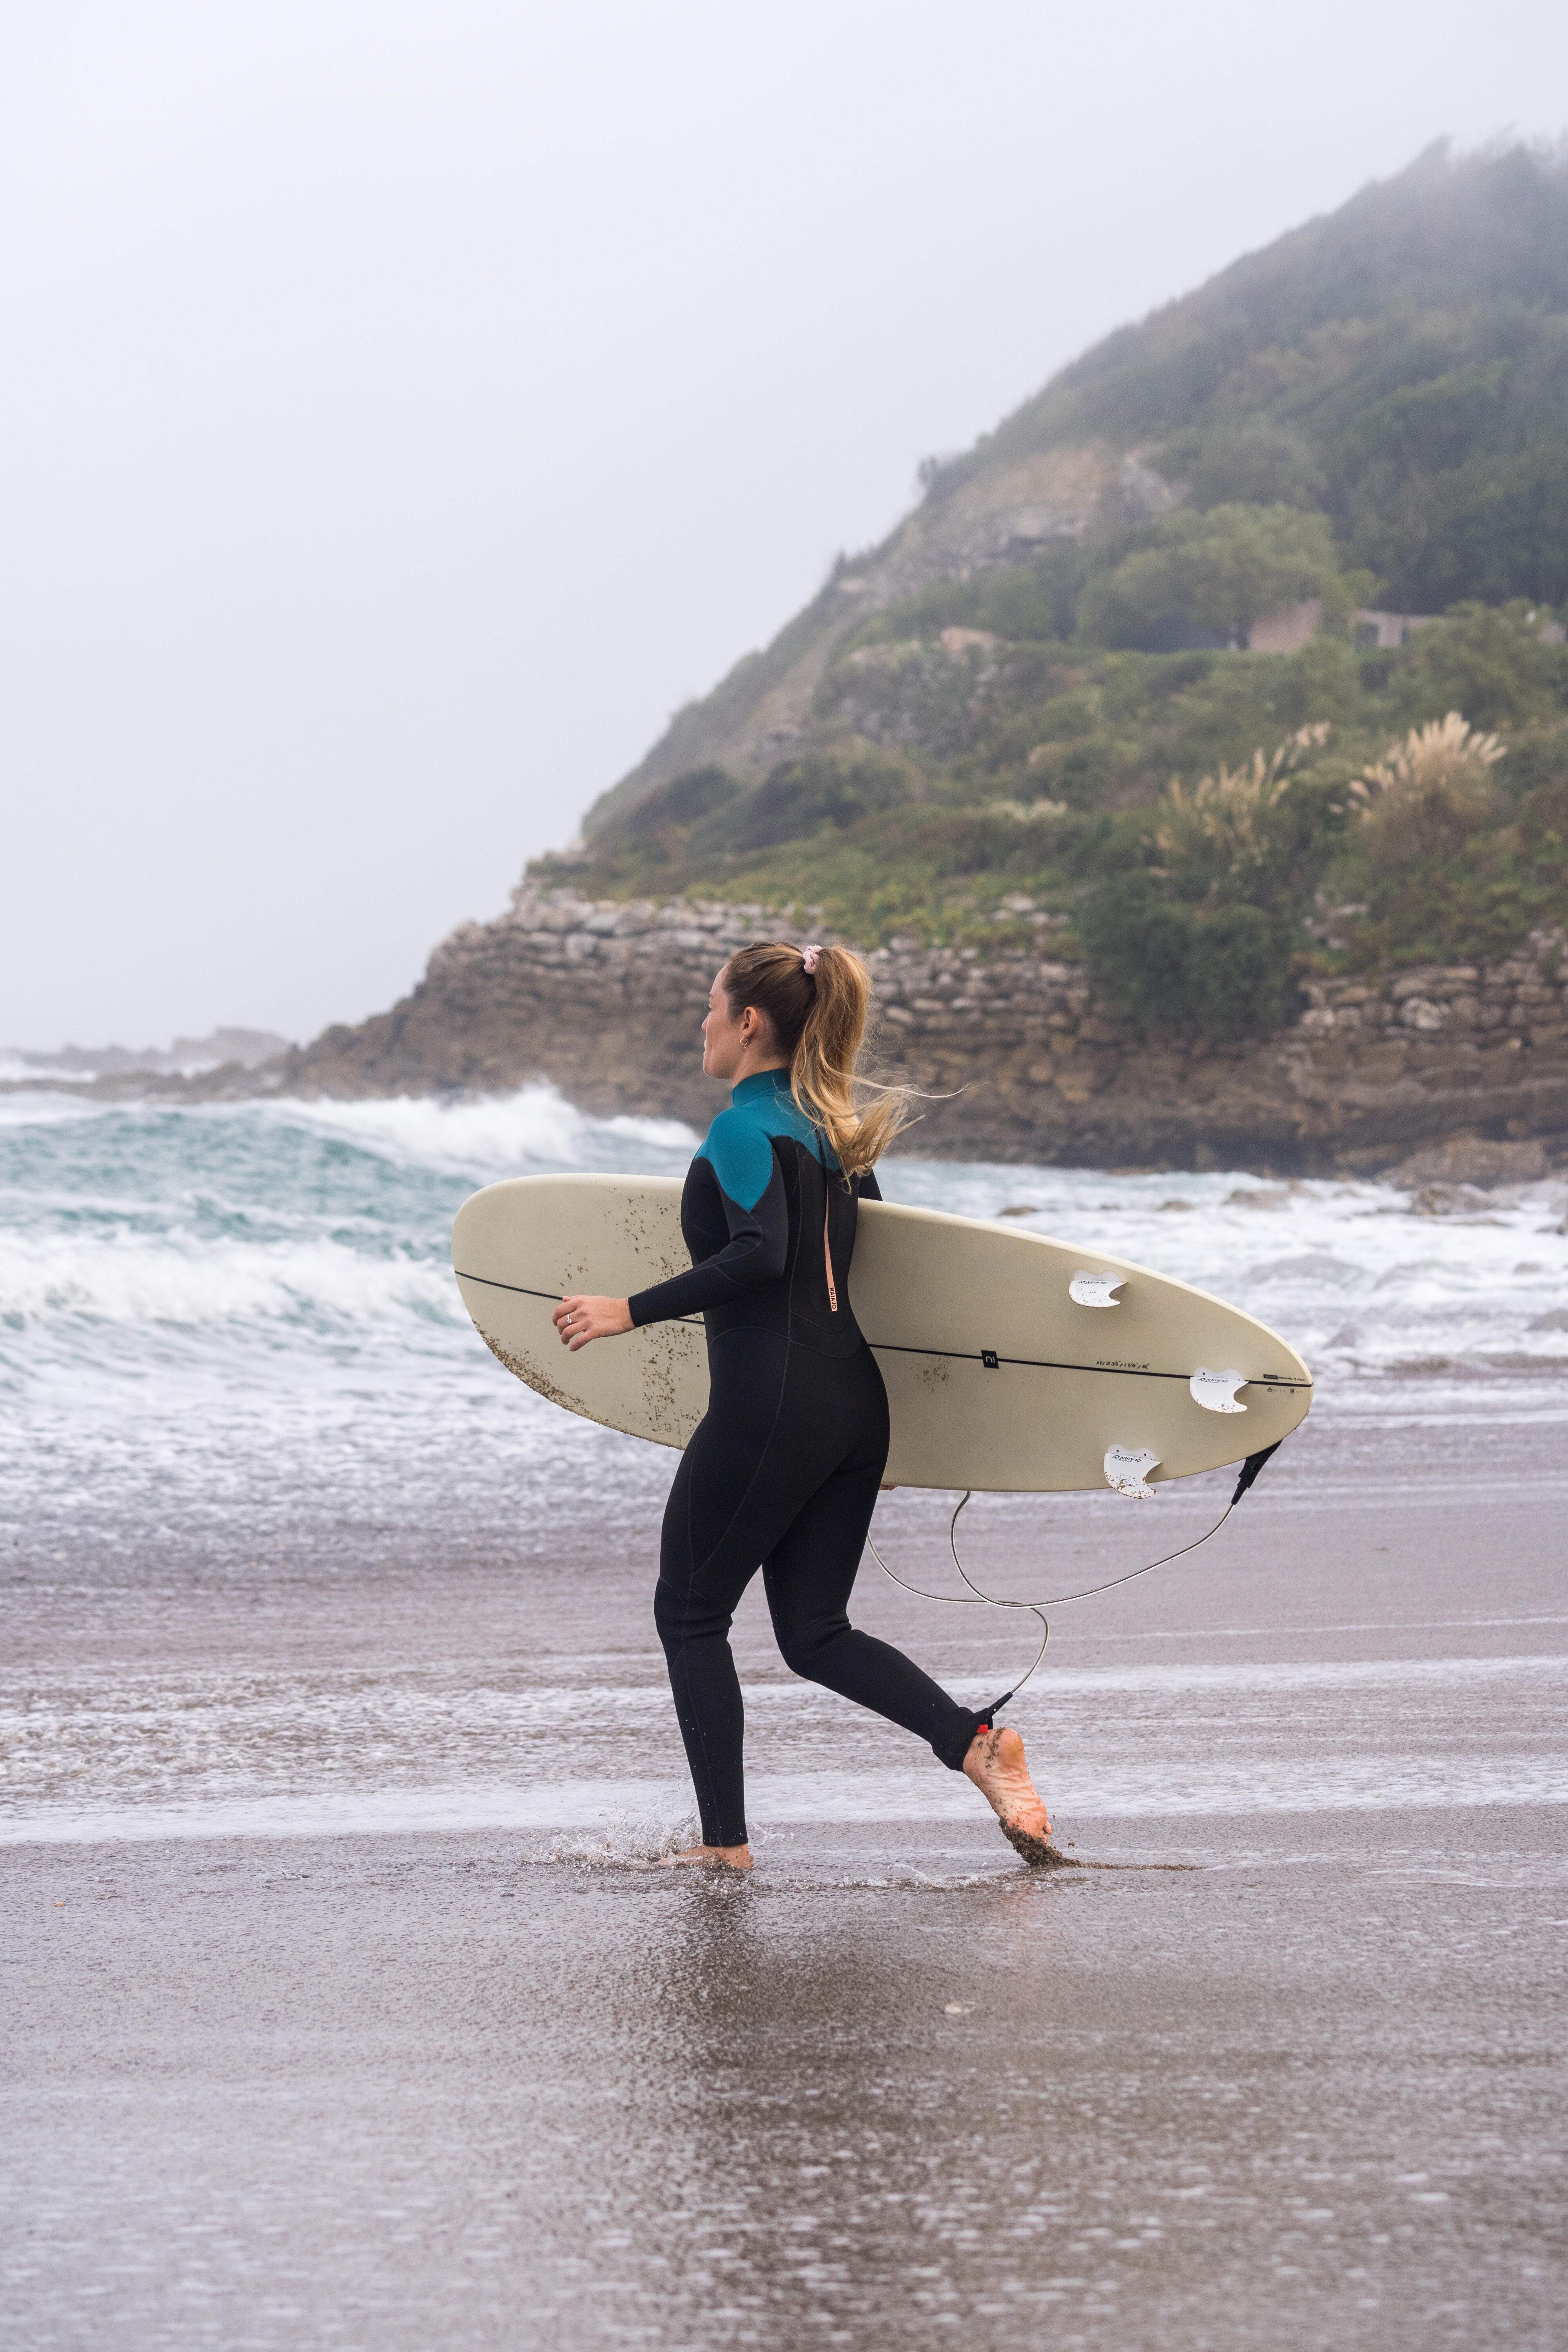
column 1012, row 1363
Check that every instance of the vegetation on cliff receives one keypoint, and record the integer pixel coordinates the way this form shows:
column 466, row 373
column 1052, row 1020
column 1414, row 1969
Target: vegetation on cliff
column 1019, row 717
column 1086, row 785
column 1400, row 367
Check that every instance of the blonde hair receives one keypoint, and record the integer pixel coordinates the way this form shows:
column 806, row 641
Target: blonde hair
column 818, row 1019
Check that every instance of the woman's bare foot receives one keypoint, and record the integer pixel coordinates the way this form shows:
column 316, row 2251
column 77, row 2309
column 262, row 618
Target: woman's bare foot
column 710, row 1857
column 996, row 1764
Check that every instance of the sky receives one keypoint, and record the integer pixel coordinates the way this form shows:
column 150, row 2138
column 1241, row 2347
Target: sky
column 407, row 406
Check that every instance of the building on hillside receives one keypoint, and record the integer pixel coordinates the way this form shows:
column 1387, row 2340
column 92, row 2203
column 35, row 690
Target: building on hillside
column 1387, row 631
column 1288, row 629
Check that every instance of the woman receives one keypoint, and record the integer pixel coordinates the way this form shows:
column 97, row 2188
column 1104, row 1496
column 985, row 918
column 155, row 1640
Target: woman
column 783, row 1469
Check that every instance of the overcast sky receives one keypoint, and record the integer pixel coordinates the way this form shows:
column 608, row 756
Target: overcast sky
column 407, row 406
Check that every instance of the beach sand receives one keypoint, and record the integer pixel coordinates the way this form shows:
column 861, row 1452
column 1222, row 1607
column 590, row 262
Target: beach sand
column 451, row 2066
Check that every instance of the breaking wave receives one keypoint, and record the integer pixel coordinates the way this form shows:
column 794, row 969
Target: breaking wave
column 311, row 1236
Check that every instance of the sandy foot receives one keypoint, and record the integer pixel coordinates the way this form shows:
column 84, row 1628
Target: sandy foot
column 709, row 1857
column 996, row 1764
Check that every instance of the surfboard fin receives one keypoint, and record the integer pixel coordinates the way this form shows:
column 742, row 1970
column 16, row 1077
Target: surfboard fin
column 1127, row 1471
column 1216, row 1391
column 1250, row 1468
column 1087, row 1289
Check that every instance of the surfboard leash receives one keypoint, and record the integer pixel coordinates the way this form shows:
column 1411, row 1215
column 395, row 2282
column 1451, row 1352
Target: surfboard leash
column 974, row 1598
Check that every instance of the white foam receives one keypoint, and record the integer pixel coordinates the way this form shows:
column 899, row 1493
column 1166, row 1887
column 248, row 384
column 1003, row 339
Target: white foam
column 129, row 1279
column 492, row 1132
column 43, row 1107
column 15, row 1071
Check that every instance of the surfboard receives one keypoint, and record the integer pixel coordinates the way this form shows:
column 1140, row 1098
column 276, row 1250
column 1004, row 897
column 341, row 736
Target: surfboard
column 1013, row 1363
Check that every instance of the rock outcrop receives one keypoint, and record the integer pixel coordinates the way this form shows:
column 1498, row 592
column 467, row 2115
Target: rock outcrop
column 1019, row 1056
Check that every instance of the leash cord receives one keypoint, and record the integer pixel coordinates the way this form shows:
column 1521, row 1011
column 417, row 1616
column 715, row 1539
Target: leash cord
column 974, row 1598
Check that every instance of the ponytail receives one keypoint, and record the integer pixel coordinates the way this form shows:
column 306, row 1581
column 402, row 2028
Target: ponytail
column 816, row 1002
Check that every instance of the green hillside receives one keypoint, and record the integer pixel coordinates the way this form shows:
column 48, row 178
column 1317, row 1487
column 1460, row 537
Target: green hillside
column 1036, row 699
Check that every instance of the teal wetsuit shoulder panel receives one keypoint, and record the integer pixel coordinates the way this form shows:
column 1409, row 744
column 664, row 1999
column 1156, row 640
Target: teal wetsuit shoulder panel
column 738, row 1144
column 741, row 1153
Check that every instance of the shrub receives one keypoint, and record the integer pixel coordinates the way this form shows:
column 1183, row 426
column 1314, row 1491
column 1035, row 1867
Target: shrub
column 1212, row 575
column 1492, row 664
column 1033, row 603
column 1253, row 462
column 1137, row 943
column 1428, row 793
column 1239, row 971
column 1228, row 837
column 682, row 800
column 1225, row 973
column 801, row 796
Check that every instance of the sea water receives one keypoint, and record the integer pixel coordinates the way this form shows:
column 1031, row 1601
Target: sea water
column 288, row 1550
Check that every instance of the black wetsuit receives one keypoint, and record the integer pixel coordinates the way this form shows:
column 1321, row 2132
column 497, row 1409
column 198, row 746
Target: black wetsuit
column 783, row 1470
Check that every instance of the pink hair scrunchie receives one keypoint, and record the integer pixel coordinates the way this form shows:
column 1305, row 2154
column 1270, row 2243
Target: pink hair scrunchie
column 808, row 958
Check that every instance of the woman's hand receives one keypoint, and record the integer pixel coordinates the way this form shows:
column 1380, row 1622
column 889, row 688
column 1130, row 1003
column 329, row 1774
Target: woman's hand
column 580, row 1319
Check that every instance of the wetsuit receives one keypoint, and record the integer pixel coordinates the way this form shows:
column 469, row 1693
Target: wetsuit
column 784, row 1468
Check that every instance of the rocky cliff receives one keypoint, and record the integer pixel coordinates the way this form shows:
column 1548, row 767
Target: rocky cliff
column 1462, row 1069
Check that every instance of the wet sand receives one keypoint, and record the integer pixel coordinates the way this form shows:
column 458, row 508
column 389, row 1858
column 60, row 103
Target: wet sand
column 493, row 2083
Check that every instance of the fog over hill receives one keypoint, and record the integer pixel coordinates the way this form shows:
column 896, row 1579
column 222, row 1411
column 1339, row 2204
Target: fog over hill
column 1398, row 369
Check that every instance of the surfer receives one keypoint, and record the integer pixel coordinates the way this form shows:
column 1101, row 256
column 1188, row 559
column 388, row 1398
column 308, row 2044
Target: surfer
column 785, row 1467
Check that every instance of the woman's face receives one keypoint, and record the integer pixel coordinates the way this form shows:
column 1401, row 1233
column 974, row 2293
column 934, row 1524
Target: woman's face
column 727, row 1042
